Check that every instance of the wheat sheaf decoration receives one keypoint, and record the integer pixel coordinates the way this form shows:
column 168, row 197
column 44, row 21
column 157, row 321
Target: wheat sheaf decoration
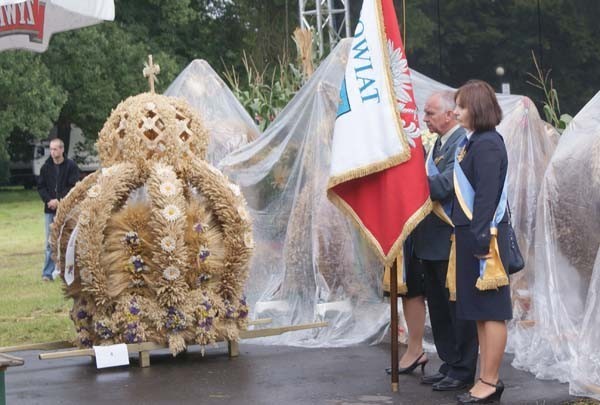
column 155, row 246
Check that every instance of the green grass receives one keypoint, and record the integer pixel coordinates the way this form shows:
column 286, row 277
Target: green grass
column 31, row 311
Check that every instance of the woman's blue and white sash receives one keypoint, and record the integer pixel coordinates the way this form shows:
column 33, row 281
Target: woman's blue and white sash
column 491, row 271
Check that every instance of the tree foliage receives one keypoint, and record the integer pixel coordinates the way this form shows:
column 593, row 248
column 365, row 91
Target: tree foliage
column 470, row 38
column 29, row 100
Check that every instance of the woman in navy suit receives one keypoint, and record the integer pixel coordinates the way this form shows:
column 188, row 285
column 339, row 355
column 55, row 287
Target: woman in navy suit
column 481, row 225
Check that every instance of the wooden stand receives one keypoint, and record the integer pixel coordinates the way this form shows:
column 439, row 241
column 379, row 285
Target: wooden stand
column 144, row 349
column 6, row 361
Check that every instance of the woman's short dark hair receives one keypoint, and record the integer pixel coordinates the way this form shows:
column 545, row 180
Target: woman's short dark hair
column 479, row 99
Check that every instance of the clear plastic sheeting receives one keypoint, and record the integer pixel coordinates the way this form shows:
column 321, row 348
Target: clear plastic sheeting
column 310, row 263
column 563, row 341
column 530, row 143
column 228, row 124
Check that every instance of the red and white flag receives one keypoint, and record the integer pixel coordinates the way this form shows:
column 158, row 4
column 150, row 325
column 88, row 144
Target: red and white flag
column 377, row 170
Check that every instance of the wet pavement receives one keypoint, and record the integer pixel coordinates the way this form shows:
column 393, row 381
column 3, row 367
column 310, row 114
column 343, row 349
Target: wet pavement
column 261, row 375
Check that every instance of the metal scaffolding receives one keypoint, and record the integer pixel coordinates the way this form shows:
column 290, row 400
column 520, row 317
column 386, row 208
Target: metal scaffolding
column 327, row 18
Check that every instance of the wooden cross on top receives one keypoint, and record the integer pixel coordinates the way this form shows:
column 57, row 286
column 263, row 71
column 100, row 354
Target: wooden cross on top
column 150, row 71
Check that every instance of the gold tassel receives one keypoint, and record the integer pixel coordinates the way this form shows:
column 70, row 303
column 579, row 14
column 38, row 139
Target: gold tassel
column 451, row 274
column 494, row 275
column 402, row 287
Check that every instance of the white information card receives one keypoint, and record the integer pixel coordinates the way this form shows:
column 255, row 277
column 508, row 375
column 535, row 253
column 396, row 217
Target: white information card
column 111, row 356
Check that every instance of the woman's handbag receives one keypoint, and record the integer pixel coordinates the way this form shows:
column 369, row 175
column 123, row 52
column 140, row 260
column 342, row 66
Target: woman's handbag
column 515, row 258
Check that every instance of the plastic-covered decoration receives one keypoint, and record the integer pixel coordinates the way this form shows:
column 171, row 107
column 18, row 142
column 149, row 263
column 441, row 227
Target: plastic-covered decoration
column 530, row 143
column 154, row 246
column 310, row 263
column 563, row 343
column 229, row 125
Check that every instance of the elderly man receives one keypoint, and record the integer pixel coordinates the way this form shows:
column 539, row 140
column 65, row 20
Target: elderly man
column 57, row 177
column 455, row 340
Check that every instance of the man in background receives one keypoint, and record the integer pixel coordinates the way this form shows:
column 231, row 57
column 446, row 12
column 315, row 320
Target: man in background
column 57, row 177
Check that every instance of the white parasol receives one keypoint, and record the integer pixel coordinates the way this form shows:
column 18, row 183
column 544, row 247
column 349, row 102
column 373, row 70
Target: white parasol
column 29, row 24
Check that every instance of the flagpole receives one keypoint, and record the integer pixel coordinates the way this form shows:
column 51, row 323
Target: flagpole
column 394, row 316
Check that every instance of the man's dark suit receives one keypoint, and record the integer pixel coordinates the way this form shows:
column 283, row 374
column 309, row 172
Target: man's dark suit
column 455, row 340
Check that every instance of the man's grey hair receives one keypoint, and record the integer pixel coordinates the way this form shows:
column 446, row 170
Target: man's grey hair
column 446, row 99
column 58, row 141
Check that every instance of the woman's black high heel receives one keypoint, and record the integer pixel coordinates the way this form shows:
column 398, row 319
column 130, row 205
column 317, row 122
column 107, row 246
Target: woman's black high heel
column 467, row 398
column 411, row 368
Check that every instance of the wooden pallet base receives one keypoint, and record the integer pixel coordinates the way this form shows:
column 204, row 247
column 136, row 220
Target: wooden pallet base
column 143, row 349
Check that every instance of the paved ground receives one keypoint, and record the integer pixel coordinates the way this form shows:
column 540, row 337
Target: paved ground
column 261, row 375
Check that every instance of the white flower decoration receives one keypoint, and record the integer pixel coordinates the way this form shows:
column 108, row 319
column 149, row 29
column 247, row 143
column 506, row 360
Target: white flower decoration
column 171, row 213
column 94, row 191
column 248, row 240
column 168, row 189
column 108, row 171
column 168, row 244
column 84, row 218
column 147, row 124
column 235, row 188
column 86, row 276
column 122, row 125
column 243, row 213
column 166, row 173
column 171, row 273
column 150, row 106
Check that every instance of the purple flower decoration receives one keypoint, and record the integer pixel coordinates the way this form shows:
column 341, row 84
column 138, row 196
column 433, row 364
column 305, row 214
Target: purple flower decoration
column 132, row 238
column 203, row 254
column 202, row 278
column 198, row 227
column 134, row 310
column 82, row 314
column 206, row 305
column 243, row 309
column 175, row 320
column 138, row 263
column 131, row 336
column 206, row 323
column 103, row 331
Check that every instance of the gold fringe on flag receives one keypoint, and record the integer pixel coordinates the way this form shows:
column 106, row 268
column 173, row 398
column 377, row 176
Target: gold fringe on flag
column 402, row 287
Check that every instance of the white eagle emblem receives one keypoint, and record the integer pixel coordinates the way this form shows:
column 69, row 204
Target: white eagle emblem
column 402, row 86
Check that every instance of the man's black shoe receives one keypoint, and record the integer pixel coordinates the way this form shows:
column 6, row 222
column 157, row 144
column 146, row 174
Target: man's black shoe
column 450, row 384
column 432, row 379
